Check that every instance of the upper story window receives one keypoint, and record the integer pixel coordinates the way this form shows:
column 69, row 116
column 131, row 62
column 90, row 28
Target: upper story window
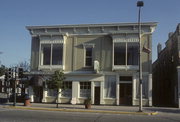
column 46, row 54
column 57, row 54
column 51, row 50
column 120, row 54
column 88, row 59
column 126, row 53
column 51, row 54
column 88, row 49
column 132, row 53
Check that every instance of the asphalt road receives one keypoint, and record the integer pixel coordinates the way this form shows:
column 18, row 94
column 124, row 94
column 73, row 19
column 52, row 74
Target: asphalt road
column 14, row 115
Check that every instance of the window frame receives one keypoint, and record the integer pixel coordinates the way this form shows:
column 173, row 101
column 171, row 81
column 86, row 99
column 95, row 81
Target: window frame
column 67, row 90
column 88, row 57
column 125, row 66
column 88, row 46
column 51, row 39
column 85, row 86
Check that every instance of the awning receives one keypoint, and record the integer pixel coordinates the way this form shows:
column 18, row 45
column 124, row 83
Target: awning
column 51, row 39
column 125, row 38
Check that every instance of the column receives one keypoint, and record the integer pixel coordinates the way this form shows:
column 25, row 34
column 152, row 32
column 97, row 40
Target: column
column 117, row 89
column 75, row 91
column 134, row 89
column 92, row 92
column 44, row 95
column 150, row 89
column 102, row 93
column 31, row 93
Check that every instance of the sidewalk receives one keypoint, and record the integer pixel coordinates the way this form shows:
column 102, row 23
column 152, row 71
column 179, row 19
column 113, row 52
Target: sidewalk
column 80, row 108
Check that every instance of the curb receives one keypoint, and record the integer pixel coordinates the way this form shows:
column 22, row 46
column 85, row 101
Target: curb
column 80, row 110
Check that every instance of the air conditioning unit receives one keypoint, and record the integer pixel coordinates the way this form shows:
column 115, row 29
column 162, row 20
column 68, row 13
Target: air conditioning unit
column 96, row 66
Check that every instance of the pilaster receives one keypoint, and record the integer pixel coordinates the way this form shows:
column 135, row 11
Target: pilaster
column 102, row 93
column 117, row 89
column 150, row 89
column 44, row 95
column 75, row 91
column 92, row 92
column 31, row 94
column 134, row 89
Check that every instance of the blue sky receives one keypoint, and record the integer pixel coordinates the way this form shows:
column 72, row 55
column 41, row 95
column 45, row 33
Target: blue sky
column 16, row 14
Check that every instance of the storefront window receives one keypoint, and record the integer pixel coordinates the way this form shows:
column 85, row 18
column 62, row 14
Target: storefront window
column 85, row 89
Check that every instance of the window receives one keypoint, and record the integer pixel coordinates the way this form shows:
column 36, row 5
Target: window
column 46, row 54
column 126, row 53
column 85, row 89
column 51, row 92
column 67, row 92
column 88, row 59
column 57, row 54
column 110, row 87
column 132, row 54
column 120, row 54
column 125, row 78
column 51, row 54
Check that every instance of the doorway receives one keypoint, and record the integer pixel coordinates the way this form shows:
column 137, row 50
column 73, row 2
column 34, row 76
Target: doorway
column 38, row 94
column 125, row 94
column 97, row 95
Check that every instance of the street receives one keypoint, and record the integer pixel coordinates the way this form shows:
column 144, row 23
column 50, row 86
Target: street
column 14, row 115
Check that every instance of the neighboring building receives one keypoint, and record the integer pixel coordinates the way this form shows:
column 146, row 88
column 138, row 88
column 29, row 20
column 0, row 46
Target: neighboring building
column 3, row 87
column 166, row 72
column 99, row 61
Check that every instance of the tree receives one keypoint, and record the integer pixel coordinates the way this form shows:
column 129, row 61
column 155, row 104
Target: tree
column 25, row 65
column 56, row 82
column 2, row 70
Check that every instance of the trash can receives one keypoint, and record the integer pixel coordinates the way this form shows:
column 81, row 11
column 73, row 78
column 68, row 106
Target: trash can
column 27, row 100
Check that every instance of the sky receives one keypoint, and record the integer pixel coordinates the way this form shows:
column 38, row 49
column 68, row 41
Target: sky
column 15, row 15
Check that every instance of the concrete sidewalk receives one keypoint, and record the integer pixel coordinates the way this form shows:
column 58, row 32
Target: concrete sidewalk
column 81, row 108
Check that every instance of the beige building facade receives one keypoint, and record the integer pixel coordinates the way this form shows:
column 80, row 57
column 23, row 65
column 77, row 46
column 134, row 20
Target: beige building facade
column 100, row 61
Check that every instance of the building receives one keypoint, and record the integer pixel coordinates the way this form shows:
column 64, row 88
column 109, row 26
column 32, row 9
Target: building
column 166, row 72
column 100, row 61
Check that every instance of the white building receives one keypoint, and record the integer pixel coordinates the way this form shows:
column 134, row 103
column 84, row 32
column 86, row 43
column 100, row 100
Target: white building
column 99, row 61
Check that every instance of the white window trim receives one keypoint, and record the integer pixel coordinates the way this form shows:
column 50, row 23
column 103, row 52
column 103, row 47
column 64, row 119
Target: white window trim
column 80, row 90
column 85, row 46
column 51, row 42
column 126, row 66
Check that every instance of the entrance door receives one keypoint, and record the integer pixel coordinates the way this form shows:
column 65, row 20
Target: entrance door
column 125, row 94
column 97, row 95
column 38, row 94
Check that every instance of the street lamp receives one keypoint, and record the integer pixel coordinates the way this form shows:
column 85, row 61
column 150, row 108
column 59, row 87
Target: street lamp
column 140, row 4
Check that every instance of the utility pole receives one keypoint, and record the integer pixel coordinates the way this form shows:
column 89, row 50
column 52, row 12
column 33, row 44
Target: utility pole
column 140, row 4
column 15, row 86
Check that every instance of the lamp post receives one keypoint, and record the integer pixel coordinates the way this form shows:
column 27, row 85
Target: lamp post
column 140, row 4
column 14, row 104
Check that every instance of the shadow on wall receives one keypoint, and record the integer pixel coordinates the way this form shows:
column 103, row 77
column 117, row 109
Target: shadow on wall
column 101, row 52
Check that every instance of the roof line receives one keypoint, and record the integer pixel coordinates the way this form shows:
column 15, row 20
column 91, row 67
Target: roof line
column 91, row 25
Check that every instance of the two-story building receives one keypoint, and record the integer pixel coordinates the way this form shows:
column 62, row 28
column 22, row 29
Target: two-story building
column 100, row 61
column 166, row 72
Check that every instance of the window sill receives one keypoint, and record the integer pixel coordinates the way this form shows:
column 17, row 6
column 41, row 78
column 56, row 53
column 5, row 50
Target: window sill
column 109, row 98
column 83, row 97
column 66, row 97
column 48, row 67
column 125, row 67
